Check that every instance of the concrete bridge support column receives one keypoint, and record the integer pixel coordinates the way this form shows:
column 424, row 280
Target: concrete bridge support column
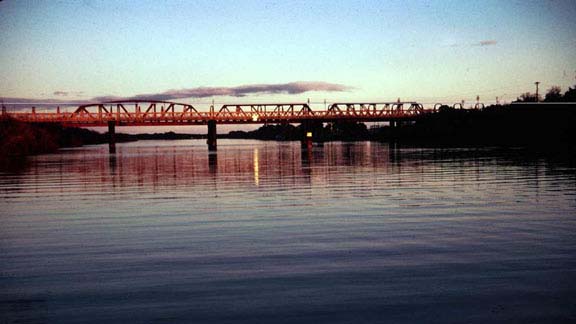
column 112, row 136
column 211, row 141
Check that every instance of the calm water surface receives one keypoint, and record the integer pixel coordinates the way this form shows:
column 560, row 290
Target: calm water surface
column 261, row 232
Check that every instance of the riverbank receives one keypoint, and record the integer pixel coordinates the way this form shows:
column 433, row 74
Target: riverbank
column 541, row 125
column 23, row 139
column 533, row 125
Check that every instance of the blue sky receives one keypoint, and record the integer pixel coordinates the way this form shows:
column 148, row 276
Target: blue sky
column 429, row 51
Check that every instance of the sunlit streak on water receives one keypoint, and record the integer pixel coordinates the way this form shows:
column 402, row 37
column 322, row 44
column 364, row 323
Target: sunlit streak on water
column 256, row 168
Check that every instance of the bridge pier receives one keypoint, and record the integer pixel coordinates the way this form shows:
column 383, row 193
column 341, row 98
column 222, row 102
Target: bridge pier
column 394, row 128
column 112, row 136
column 211, row 141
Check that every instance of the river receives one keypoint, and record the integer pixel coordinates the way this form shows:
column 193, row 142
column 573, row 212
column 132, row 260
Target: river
column 263, row 232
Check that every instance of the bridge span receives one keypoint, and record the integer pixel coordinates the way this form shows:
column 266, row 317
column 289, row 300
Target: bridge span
column 164, row 113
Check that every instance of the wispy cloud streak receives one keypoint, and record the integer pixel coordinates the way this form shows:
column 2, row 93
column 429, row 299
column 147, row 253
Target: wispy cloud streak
column 486, row 42
column 32, row 101
column 239, row 91
column 61, row 93
column 199, row 92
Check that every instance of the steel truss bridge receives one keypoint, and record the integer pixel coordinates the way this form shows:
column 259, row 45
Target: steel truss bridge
column 157, row 113
column 165, row 113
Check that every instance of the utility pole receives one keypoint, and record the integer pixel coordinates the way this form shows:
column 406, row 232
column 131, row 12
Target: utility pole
column 537, row 83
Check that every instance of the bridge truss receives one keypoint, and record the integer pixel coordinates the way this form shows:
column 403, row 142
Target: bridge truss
column 153, row 113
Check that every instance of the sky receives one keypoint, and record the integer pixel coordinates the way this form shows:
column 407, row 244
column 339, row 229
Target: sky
column 290, row 51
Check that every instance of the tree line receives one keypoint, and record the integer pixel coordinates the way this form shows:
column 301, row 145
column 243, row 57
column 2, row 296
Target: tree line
column 554, row 94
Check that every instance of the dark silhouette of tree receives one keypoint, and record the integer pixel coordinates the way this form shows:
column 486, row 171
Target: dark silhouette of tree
column 570, row 95
column 554, row 94
column 344, row 130
column 527, row 97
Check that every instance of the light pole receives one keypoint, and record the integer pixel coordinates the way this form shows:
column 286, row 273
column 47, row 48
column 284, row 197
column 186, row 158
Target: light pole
column 537, row 83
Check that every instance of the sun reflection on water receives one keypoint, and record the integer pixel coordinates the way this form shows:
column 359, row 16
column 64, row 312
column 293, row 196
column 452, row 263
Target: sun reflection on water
column 256, row 167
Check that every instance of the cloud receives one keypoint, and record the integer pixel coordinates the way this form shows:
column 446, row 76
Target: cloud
column 199, row 92
column 14, row 103
column 486, row 42
column 33, row 101
column 67, row 93
column 239, row 91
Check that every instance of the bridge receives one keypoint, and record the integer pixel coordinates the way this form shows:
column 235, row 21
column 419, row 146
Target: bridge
column 164, row 113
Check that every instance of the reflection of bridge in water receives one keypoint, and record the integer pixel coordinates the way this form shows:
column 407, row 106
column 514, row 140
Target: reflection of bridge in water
column 142, row 166
column 164, row 113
